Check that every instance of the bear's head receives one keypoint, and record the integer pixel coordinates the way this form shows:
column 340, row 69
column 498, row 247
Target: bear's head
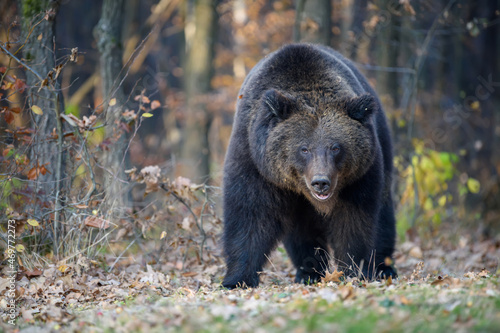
column 313, row 143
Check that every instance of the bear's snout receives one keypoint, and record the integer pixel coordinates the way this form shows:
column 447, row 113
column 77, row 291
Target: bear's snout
column 321, row 184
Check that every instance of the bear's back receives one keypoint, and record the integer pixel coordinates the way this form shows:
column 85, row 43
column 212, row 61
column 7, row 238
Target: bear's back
column 303, row 68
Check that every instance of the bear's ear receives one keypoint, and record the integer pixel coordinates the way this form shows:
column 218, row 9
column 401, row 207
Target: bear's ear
column 361, row 107
column 278, row 104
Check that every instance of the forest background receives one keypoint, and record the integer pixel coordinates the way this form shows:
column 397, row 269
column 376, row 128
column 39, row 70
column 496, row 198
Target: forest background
column 115, row 117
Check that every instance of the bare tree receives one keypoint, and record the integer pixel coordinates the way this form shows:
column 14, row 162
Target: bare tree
column 108, row 34
column 47, row 147
column 313, row 21
column 195, row 152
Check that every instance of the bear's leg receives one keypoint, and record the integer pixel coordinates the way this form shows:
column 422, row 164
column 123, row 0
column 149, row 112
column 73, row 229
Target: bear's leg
column 386, row 239
column 309, row 253
column 352, row 245
column 251, row 230
column 247, row 245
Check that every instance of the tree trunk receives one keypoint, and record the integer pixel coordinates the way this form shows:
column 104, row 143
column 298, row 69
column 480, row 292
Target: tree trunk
column 313, row 21
column 387, row 47
column 47, row 150
column 195, row 151
column 108, row 33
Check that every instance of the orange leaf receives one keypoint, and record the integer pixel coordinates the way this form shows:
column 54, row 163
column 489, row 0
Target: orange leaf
column 81, row 206
column 96, row 222
column 20, row 85
column 9, row 117
column 34, row 272
column 332, row 277
column 155, row 104
column 32, row 174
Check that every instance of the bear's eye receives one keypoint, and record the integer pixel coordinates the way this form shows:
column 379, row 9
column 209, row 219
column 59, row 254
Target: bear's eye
column 304, row 150
column 335, row 148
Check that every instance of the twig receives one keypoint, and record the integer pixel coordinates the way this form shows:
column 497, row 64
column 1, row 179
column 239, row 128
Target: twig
column 59, row 168
column 418, row 67
column 387, row 69
column 196, row 219
column 119, row 257
column 19, row 61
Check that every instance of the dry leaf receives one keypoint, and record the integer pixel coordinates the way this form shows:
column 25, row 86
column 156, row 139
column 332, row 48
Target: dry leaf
column 96, row 222
column 484, row 273
column 112, row 102
column 416, row 252
column 332, row 277
column 33, row 273
column 74, row 54
column 150, row 175
column 147, row 115
column 58, row 70
column 9, row 117
column 388, row 282
column 155, row 104
column 81, row 206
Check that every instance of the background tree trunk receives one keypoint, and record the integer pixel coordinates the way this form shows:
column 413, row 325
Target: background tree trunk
column 200, row 39
column 47, row 148
column 313, row 21
column 108, row 34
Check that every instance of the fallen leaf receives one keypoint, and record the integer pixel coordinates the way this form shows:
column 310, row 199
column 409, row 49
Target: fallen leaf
column 416, row 252
column 63, row 268
column 484, row 273
column 388, row 282
column 332, row 277
column 33, row 273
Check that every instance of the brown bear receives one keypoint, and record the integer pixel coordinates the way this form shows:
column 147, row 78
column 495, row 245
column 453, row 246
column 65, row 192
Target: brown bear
column 310, row 163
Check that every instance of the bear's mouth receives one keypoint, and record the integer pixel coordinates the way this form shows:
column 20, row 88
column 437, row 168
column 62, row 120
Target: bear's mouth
column 321, row 197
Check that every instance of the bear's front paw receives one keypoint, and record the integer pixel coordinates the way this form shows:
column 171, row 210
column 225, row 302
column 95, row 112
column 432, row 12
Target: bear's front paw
column 240, row 282
column 384, row 272
column 307, row 278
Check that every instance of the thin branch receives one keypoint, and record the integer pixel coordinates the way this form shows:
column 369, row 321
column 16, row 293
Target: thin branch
column 419, row 64
column 19, row 61
column 387, row 69
column 119, row 257
column 198, row 220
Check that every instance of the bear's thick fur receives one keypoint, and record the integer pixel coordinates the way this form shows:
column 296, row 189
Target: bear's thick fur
column 310, row 163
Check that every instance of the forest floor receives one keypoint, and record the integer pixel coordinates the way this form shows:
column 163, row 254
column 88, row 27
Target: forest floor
column 453, row 286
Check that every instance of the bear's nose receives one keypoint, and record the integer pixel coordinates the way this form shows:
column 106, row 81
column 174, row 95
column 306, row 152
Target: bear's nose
column 320, row 183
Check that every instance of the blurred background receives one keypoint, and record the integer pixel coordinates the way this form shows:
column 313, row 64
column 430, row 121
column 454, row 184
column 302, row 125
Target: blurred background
column 434, row 64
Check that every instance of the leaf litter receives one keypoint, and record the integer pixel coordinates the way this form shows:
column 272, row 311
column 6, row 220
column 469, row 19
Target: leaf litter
column 167, row 284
